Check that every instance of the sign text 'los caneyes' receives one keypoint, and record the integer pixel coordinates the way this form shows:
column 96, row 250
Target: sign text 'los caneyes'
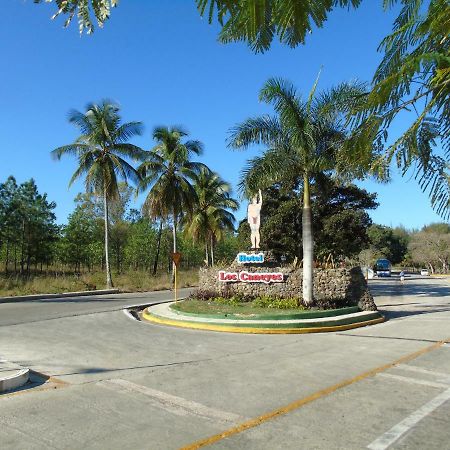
column 249, row 277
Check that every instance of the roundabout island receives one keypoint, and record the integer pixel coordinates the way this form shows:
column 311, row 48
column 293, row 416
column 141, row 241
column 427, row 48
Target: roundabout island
column 256, row 294
column 312, row 321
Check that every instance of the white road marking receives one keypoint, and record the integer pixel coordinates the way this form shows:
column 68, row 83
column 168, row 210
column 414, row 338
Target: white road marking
column 414, row 380
column 425, row 371
column 176, row 405
column 388, row 438
column 128, row 314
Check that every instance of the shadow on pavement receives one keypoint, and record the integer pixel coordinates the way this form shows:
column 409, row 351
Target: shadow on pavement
column 395, row 289
column 397, row 314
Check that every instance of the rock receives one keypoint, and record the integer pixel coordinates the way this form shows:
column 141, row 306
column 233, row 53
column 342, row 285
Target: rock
column 333, row 288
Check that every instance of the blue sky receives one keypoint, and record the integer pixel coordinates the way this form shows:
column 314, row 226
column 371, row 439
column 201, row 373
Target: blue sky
column 162, row 63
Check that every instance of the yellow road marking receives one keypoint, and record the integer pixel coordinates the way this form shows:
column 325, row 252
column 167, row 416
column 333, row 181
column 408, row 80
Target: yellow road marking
column 304, row 401
column 231, row 329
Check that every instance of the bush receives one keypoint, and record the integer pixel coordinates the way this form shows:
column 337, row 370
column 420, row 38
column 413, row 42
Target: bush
column 257, row 302
column 234, row 300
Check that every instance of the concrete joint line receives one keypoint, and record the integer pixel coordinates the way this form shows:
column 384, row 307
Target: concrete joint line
column 252, row 423
column 391, row 436
column 176, row 405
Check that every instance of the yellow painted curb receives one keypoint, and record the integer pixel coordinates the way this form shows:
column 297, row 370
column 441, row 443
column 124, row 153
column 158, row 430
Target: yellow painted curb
column 211, row 327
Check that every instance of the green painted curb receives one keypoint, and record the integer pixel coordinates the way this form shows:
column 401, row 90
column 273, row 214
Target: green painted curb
column 301, row 315
column 321, row 324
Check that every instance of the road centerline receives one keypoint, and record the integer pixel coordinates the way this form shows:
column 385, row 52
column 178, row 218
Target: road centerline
column 252, row 423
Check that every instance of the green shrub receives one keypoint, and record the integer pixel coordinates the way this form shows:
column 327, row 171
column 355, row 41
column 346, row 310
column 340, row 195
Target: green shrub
column 234, row 300
column 277, row 303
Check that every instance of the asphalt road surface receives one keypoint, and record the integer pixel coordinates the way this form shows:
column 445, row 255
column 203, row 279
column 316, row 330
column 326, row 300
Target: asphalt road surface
column 121, row 384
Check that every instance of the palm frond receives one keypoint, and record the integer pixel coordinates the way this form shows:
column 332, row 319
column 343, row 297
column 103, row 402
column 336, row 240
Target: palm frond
column 258, row 22
column 259, row 130
column 71, row 149
column 127, row 131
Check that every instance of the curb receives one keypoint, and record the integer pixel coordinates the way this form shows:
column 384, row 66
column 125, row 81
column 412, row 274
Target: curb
column 232, row 328
column 14, row 381
column 24, row 298
column 300, row 315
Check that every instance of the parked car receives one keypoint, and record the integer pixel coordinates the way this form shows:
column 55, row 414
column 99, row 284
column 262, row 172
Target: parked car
column 424, row 272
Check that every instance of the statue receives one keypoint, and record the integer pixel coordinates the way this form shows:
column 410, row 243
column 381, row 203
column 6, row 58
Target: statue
column 254, row 219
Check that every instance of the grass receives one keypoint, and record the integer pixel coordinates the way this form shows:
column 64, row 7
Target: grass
column 133, row 281
column 237, row 309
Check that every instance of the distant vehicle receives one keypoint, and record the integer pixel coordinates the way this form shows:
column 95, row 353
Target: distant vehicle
column 424, row 272
column 383, row 268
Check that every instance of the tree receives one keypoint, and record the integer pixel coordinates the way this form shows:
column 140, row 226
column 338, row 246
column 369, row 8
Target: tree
column 258, row 22
column 77, row 237
column 82, row 9
column 9, row 217
column 141, row 244
column 431, row 247
column 386, row 243
column 169, row 172
column 242, row 20
column 27, row 225
column 338, row 214
column 340, row 218
column 414, row 76
column 210, row 217
column 101, row 151
column 304, row 139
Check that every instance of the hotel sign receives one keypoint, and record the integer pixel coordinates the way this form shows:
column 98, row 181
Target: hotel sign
column 251, row 277
column 245, row 258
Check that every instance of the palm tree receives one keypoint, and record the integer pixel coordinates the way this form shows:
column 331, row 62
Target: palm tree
column 258, row 22
column 303, row 139
column 210, row 217
column 168, row 169
column 101, row 151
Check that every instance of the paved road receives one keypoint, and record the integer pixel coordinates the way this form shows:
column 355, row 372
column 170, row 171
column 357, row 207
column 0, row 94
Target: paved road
column 134, row 385
column 56, row 308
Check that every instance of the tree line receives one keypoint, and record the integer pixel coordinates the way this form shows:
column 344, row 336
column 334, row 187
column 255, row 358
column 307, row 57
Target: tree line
column 32, row 242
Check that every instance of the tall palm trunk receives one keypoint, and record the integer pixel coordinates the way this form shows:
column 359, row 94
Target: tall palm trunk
column 212, row 250
column 206, row 253
column 158, row 248
column 174, row 231
column 109, row 283
column 307, row 239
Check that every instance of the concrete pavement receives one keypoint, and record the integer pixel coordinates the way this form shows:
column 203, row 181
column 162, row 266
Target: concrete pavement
column 137, row 385
column 48, row 309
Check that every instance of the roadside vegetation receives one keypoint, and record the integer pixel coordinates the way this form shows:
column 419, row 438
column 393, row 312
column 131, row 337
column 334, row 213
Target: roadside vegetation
column 55, row 282
column 239, row 307
column 37, row 255
column 314, row 146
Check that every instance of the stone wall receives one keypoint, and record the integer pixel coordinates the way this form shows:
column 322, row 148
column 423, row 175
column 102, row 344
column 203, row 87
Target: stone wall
column 332, row 287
